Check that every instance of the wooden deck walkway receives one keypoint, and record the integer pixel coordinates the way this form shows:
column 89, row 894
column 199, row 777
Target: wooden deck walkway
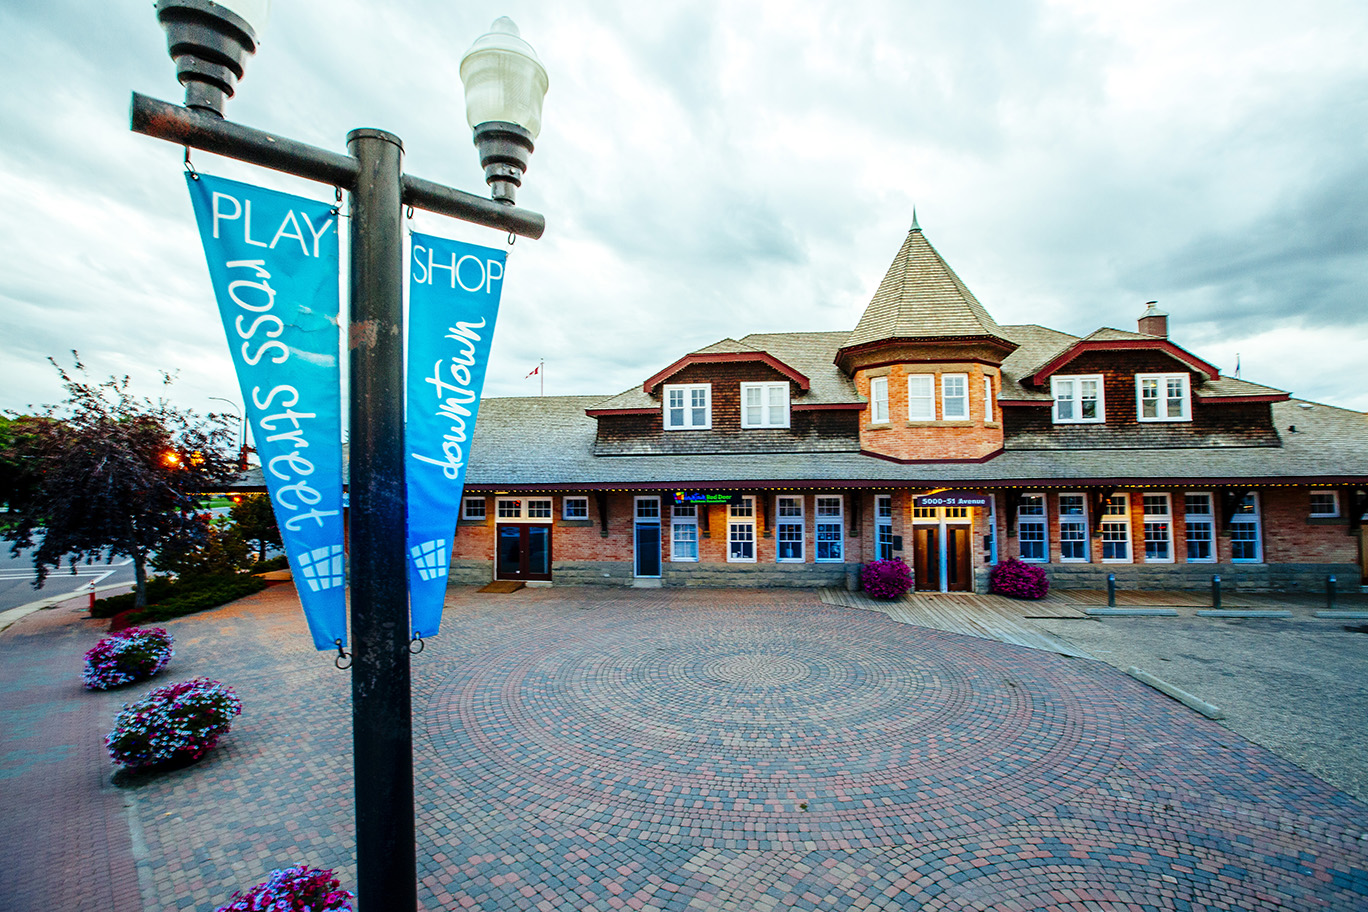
column 989, row 617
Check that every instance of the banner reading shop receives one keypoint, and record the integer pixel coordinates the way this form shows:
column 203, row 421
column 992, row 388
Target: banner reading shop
column 454, row 291
column 274, row 264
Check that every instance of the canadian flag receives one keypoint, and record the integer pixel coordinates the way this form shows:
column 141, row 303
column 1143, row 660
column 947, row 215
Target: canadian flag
column 534, row 372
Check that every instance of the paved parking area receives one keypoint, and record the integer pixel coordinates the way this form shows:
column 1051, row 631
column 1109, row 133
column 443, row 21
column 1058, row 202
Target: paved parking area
column 664, row 750
column 1298, row 686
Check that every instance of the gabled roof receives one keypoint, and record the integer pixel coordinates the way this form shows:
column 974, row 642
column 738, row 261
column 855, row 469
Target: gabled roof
column 724, row 355
column 806, row 355
column 921, row 298
column 1109, row 339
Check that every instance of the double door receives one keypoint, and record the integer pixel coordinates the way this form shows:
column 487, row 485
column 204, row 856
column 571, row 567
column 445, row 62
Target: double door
column 941, row 558
column 523, row 551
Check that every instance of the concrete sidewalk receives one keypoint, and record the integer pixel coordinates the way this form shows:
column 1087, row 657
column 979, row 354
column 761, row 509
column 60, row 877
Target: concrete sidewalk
column 666, row 750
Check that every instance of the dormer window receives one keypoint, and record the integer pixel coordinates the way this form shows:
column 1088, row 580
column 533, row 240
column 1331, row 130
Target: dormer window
column 1162, row 397
column 1078, row 400
column 764, row 405
column 688, row 407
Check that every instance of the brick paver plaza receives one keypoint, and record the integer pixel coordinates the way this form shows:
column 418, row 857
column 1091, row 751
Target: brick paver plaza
column 667, row 750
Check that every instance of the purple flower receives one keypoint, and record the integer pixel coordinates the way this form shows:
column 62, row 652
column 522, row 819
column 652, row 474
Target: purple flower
column 178, row 722
column 126, row 656
column 887, row 579
column 297, row 889
column 1018, row 580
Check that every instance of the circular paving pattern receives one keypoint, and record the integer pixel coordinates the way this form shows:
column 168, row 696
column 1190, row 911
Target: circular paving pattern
column 712, row 757
column 839, row 732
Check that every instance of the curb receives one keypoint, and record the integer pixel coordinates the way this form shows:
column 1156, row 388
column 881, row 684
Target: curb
column 1182, row 696
column 1235, row 613
column 11, row 615
column 1132, row 612
column 1343, row 615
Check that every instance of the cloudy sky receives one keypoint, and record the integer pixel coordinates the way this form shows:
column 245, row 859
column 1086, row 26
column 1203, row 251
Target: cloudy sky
column 715, row 169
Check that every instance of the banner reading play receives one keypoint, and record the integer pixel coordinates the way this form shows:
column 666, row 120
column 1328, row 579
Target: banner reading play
column 274, row 264
column 454, row 293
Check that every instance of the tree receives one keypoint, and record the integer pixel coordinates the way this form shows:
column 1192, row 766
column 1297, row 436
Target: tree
column 108, row 473
column 256, row 522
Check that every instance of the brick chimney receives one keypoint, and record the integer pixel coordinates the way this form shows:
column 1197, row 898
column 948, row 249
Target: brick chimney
column 1154, row 322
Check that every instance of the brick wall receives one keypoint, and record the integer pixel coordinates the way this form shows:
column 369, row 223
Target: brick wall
column 900, row 438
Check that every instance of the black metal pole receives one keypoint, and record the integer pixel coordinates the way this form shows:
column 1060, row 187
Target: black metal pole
column 382, row 716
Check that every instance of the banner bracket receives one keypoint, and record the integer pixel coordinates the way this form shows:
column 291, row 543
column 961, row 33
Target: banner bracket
column 419, row 640
column 342, row 655
column 190, row 166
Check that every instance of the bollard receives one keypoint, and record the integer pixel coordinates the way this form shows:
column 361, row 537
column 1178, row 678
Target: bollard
column 1330, row 593
column 1111, row 590
column 1216, row 592
column 92, row 599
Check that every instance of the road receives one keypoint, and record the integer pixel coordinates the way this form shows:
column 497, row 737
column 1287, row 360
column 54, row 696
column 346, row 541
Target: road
column 16, row 578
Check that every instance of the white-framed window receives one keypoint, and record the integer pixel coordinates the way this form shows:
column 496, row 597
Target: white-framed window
column 830, row 528
column 988, row 397
column 955, row 397
column 648, row 509
column 574, row 508
column 1162, row 397
column 684, row 533
column 529, row 509
column 883, row 526
column 1116, row 530
column 473, row 509
column 741, row 531
column 1158, row 529
column 1201, row 527
column 1246, row 545
column 921, row 397
column 1325, row 503
column 1031, row 531
column 788, row 529
column 764, row 405
column 1073, row 528
column 688, row 406
column 878, row 400
column 1078, row 400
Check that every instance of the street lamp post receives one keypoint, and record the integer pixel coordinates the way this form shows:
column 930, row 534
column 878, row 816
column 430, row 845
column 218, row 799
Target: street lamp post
column 242, row 431
column 504, row 86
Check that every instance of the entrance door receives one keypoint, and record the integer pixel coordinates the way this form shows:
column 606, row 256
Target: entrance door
column 646, row 538
column 958, row 568
column 523, row 551
column 926, row 558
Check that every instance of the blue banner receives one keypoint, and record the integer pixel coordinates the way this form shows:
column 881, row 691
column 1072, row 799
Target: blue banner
column 274, row 265
column 454, row 293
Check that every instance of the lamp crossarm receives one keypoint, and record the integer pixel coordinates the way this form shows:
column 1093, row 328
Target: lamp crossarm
column 186, row 127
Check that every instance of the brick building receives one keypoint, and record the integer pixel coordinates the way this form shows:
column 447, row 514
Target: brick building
column 792, row 458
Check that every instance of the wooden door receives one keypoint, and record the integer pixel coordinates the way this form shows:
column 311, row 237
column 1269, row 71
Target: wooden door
column 959, row 575
column 926, row 558
column 523, row 551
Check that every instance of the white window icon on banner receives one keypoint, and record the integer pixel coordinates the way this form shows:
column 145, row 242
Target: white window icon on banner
column 430, row 558
column 322, row 567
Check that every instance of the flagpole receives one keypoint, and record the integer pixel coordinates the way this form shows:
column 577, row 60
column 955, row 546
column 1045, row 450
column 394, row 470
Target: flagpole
column 541, row 373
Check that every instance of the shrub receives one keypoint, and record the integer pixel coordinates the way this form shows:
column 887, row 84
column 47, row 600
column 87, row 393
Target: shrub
column 1018, row 580
column 158, row 587
column 279, row 562
column 126, row 656
column 172, row 724
column 167, row 598
column 887, row 579
column 297, row 889
column 199, row 595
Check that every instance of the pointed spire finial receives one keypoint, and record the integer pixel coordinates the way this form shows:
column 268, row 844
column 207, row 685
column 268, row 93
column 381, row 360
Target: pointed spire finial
column 915, row 226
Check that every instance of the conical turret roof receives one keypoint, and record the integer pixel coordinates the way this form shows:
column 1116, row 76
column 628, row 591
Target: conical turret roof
column 921, row 298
